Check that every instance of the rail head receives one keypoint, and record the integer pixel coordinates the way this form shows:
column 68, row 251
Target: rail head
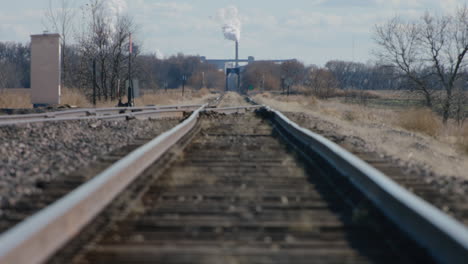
column 87, row 111
column 41, row 235
column 148, row 113
column 443, row 236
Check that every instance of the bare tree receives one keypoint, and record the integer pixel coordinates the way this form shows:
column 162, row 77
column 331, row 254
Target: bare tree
column 292, row 73
column 446, row 39
column 401, row 47
column 60, row 20
column 15, row 61
column 104, row 51
column 320, row 82
column 262, row 74
column 430, row 52
column 293, row 70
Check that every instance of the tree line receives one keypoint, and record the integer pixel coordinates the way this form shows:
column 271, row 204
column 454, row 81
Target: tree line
column 14, row 65
column 98, row 60
column 336, row 74
column 426, row 56
column 430, row 54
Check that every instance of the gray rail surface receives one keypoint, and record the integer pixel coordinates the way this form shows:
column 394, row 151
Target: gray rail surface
column 444, row 237
column 41, row 235
column 94, row 111
column 105, row 113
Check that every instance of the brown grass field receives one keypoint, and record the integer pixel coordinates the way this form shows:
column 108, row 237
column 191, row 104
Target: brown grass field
column 76, row 98
column 406, row 135
column 14, row 99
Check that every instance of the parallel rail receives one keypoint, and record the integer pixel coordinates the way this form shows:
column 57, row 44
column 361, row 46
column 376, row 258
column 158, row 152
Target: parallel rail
column 38, row 237
column 97, row 113
column 444, row 237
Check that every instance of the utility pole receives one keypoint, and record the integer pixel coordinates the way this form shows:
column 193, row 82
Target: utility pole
column 282, row 84
column 203, row 80
column 263, row 82
column 94, row 82
column 184, row 78
column 130, row 83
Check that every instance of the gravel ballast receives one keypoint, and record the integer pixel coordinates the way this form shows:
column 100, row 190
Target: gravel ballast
column 41, row 152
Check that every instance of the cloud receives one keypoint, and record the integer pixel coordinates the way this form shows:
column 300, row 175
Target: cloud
column 114, row 8
column 301, row 19
column 9, row 32
column 450, row 6
column 19, row 28
column 402, row 3
column 171, row 8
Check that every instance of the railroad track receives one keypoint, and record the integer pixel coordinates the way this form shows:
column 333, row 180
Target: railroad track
column 51, row 191
column 247, row 188
column 113, row 113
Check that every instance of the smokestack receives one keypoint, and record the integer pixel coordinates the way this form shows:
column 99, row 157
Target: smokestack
column 237, row 54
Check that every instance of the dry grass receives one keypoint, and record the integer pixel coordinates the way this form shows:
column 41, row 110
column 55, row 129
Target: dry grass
column 359, row 94
column 74, row 97
column 462, row 141
column 173, row 96
column 350, row 116
column 443, row 149
column 421, row 120
column 10, row 99
column 160, row 97
column 325, row 93
column 309, row 100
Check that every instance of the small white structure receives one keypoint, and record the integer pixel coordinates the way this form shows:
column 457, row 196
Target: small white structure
column 45, row 69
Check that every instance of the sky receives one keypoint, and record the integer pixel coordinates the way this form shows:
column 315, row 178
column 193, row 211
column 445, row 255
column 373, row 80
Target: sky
column 312, row 31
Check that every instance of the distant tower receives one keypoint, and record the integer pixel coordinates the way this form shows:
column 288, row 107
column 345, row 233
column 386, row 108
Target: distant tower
column 237, row 54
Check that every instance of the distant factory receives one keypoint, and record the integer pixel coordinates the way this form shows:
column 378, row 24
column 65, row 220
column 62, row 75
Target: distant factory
column 223, row 64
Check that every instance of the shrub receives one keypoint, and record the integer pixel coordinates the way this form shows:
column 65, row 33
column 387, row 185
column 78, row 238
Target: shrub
column 74, row 97
column 463, row 140
column 10, row 99
column 421, row 120
column 350, row 115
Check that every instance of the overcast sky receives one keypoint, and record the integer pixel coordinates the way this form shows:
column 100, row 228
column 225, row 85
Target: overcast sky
column 313, row 31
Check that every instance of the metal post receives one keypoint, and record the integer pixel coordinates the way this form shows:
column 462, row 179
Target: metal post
column 129, row 92
column 130, row 83
column 282, row 84
column 203, row 80
column 263, row 82
column 237, row 54
column 94, row 82
column 238, row 80
column 184, row 78
column 227, row 82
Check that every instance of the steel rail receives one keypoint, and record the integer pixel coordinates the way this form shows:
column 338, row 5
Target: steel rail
column 234, row 109
column 41, row 235
column 445, row 238
column 94, row 111
column 153, row 113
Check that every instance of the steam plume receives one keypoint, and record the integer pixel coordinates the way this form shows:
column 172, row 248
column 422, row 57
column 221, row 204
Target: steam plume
column 112, row 9
column 231, row 23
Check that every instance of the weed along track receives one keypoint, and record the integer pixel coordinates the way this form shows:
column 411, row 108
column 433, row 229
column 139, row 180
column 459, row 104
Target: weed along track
column 239, row 194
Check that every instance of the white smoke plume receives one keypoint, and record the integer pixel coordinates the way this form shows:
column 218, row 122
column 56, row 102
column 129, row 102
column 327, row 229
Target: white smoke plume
column 112, row 9
column 229, row 16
